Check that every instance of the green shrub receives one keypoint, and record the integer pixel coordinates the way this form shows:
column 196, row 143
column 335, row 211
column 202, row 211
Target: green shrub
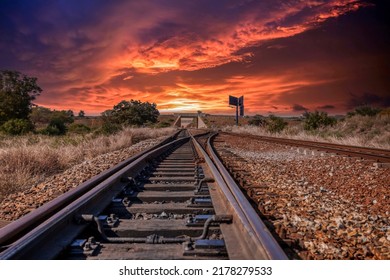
column 17, row 127
column 108, row 128
column 275, row 124
column 317, row 119
column 56, row 127
column 367, row 111
column 257, row 120
column 78, row 128
column 50, row 130
column 163, row 124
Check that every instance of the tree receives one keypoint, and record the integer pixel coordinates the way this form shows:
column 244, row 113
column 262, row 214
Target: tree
column 44, row 115
column 81, row 114
column 317, row 119
column 133, row 112
column 17, row 91
column 40, row 115
column 70, row 114
column 64, row 116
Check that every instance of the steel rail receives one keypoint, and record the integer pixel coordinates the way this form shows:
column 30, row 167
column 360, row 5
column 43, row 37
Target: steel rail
column 9, row 232
column 67, row 206
column 380, row 155
column 266, row 246
column 246, row 237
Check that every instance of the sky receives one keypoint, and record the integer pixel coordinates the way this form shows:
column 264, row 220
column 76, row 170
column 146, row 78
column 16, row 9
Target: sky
column 283, row 56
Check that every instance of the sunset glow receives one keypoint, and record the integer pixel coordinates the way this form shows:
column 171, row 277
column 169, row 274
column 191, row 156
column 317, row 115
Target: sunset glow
column 190, row 55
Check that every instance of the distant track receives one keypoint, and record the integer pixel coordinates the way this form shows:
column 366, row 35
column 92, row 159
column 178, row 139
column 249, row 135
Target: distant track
column 377, row 155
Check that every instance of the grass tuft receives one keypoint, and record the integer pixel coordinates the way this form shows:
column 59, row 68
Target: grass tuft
column 27, row 160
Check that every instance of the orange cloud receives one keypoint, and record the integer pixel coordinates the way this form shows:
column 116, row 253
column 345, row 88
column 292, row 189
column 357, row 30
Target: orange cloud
column 119, row 61
column 189, row 52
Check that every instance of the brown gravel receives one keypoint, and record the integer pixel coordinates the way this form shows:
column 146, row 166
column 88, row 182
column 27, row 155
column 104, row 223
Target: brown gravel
column 324, row 206
column 19, row 204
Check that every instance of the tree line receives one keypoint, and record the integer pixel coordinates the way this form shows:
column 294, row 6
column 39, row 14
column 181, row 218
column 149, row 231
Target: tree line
column 311, row 120
column 19, row 115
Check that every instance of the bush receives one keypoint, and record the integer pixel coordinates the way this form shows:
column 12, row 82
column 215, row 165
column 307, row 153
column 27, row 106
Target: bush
column 55, row 127
column 78, row 128
column 317, row 119
column 367, row 111
column 108, row 128
column 17, row 127
column 257, row 120
column 49, row 130
column 163, row 124
column 275, row 124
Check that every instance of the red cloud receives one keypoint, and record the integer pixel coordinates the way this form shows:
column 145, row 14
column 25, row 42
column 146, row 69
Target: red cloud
column 81, row 77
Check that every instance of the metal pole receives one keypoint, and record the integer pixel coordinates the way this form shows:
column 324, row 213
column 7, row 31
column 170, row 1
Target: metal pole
column 237, row 115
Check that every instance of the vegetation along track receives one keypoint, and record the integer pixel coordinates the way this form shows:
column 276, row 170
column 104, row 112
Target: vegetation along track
column 171, row 202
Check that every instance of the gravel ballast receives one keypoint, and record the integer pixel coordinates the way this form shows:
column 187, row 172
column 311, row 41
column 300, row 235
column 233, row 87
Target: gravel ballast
column 19, row 204
column 324, row 206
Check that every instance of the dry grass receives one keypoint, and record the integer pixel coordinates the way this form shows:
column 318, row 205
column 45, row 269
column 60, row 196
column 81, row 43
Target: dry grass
column 29, row 159
column 356, row 131
column 223, row 120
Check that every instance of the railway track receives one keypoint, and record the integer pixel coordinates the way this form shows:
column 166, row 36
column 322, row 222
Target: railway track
column 377, row 155
column 171, row 202
column 320, row 206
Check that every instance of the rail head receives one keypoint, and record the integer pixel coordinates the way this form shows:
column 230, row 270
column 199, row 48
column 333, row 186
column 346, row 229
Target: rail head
column 15, row 230
column 376, row 154
column 267, row 246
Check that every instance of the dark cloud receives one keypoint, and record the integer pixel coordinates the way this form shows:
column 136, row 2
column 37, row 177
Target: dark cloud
column 326, row 107
column 367, row 99
column 298, row 108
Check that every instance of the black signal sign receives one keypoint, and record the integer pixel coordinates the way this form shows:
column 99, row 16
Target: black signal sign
column 239, row 103
column 233, row 100
column 242, row 111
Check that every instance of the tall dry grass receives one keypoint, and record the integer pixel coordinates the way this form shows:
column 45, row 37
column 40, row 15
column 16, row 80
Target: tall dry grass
column 28, row 159
column 362, row 131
